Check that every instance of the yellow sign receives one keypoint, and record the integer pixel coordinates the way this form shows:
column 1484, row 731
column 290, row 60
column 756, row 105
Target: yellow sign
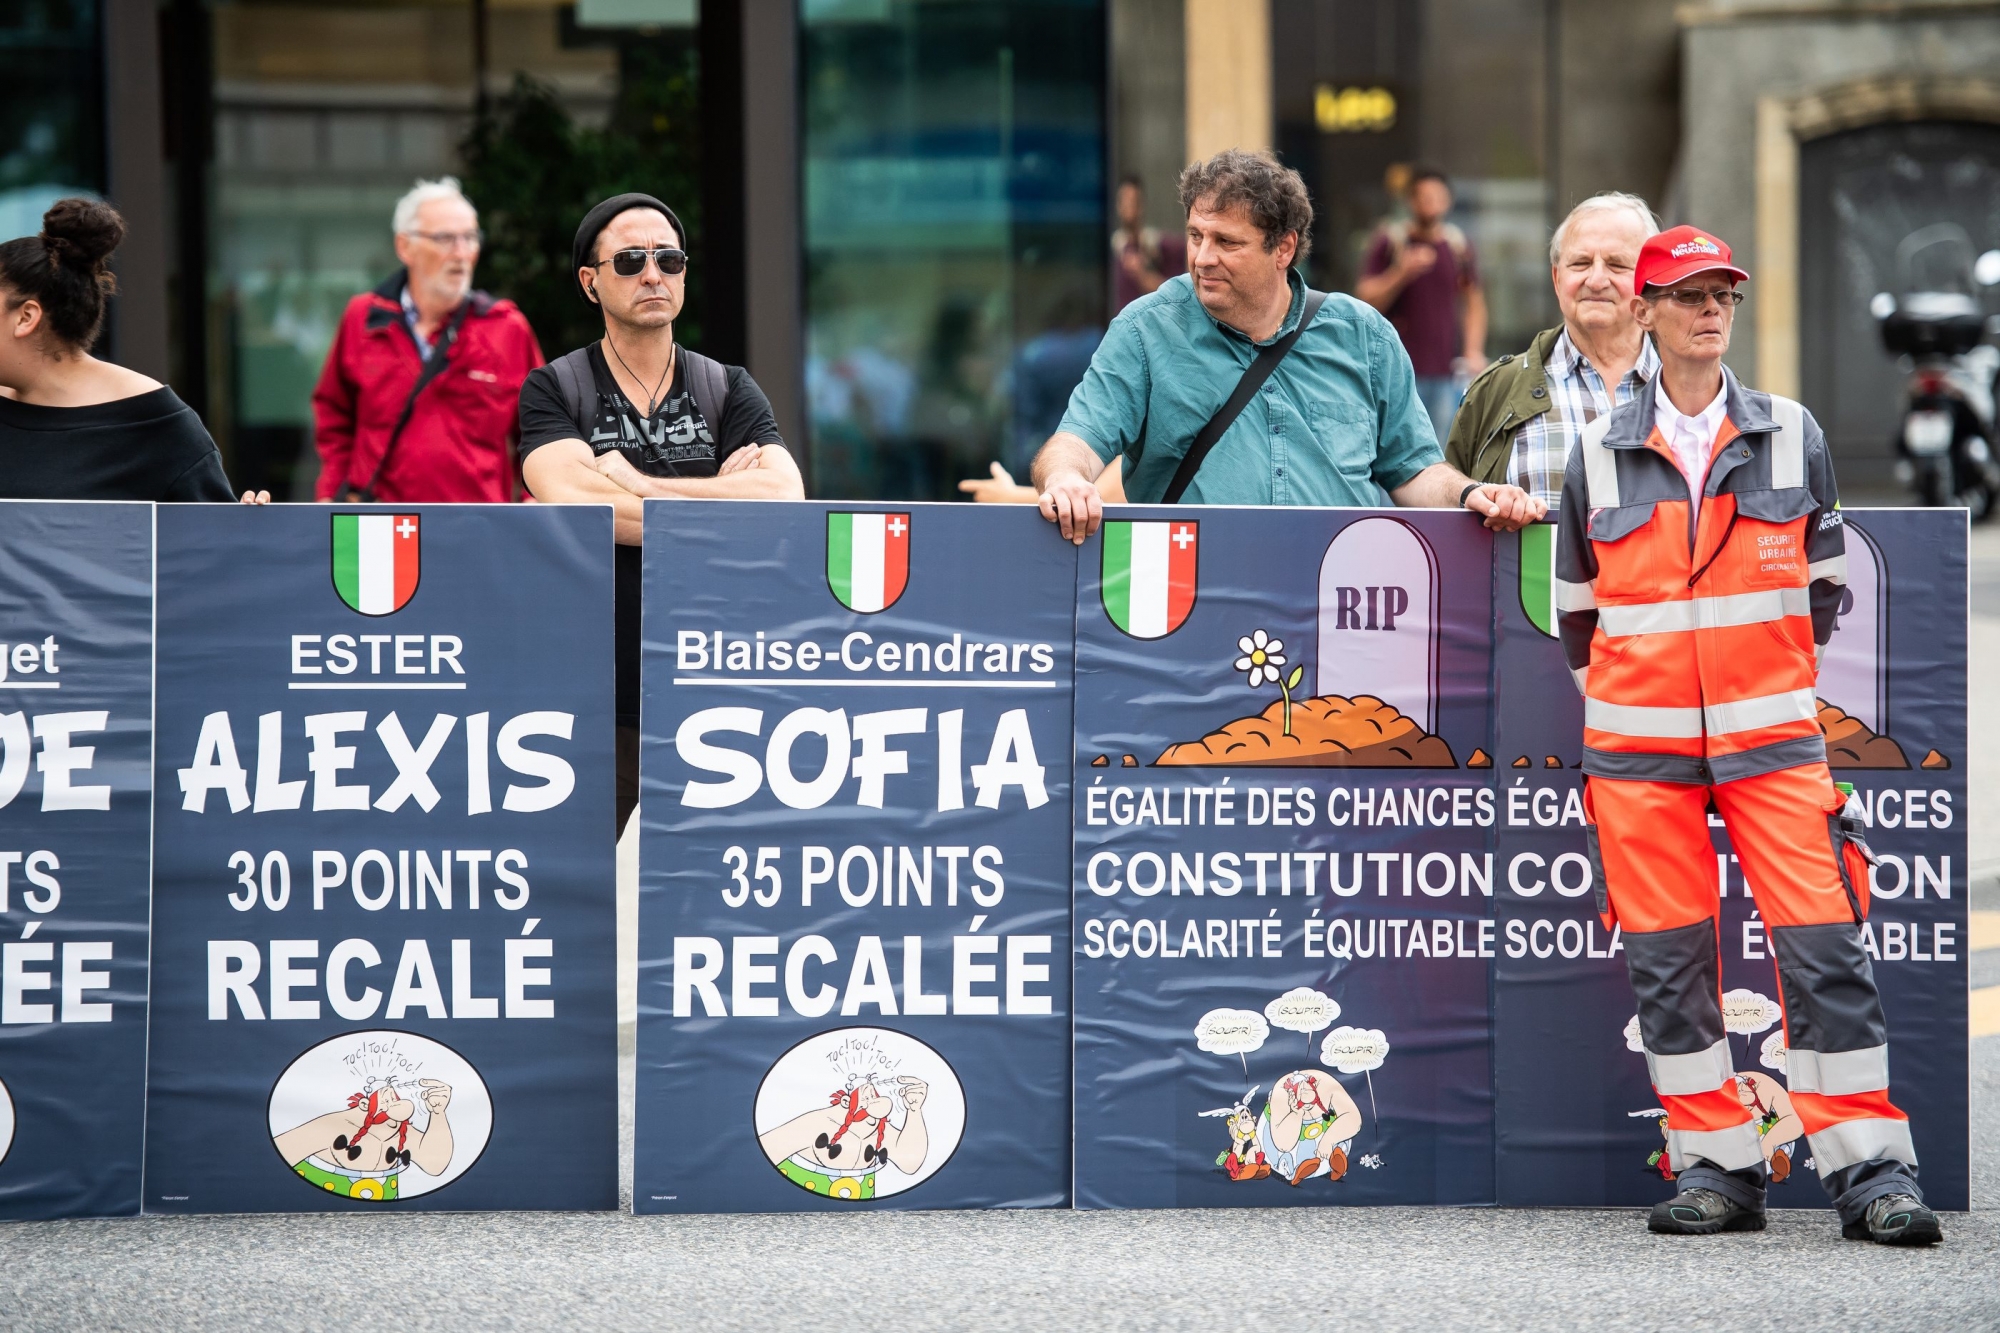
column 1351, row 110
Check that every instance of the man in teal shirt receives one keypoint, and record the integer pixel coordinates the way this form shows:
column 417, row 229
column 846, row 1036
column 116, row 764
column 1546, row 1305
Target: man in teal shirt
column 1337, row 423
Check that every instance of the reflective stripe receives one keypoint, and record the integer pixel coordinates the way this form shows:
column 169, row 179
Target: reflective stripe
column 1575, row 596
column 1639, row 721
column 1740, row 608
column 1833, row 569
column 1600, row 465
column 1766, row 710
column 1788, row 445
column 1819, row 656
column 1624, row 764
column 1633, row 720
column 1838, row 1073
column 1737, row 1148
column 1686, row 1075
column 1579, row 675
column 1853, row 1142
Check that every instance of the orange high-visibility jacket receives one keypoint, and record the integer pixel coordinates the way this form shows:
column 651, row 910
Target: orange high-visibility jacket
column 1696, row 638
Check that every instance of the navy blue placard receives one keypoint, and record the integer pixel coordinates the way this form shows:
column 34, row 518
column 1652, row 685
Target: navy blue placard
column 854, row 917
column 1283, row 859
column 1578, row 1122
column 383, row 920
column 76, row 734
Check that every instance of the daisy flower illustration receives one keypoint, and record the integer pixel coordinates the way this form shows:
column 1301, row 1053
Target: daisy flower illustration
column 1263, row 661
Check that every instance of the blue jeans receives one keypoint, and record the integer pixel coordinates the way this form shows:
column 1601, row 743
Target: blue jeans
column 1439, row 395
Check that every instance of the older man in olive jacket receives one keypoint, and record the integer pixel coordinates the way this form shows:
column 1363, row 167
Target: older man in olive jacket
column 1521, row 417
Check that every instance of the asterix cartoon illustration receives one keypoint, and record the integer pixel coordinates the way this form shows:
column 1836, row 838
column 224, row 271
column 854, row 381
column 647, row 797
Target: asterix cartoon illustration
column 1307, row 1125
column 361, row 1151
column 1778, row 1124
column 836, row 1149
column 1241, row 1159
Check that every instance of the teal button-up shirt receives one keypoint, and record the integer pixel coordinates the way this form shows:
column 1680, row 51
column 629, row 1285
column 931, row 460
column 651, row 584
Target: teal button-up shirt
column 1338, row 422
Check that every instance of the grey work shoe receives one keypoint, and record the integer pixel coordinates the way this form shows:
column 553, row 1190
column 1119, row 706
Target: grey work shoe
column 1895, row 1219
column 1700, row 1212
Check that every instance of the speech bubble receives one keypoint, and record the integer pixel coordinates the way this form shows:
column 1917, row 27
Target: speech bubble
column 1302, row 1009
column 1748, row 1011
column 1231, row 1031
column 1633, row 1041
column 1354, row 1050
column 1775, row 1052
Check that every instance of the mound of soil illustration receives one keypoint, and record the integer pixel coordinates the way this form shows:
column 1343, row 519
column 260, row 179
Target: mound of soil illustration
column 1850, row 744
column 1328, row 732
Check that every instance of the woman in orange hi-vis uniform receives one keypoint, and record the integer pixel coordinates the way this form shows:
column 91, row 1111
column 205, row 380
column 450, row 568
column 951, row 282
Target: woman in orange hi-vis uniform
column 1699, row 568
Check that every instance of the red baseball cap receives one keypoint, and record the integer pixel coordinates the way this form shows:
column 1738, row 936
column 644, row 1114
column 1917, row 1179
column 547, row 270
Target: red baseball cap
column 1672, row 255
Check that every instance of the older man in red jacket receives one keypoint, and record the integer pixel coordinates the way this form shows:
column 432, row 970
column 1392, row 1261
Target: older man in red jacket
column 419, row 397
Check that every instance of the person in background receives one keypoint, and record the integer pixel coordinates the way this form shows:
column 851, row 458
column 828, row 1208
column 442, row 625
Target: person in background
column 73, row 427
column 1338, row 421
column 1522, row 416
column 1422, row 274
column 635, row 415
column 1142, row 257
column 419, row 396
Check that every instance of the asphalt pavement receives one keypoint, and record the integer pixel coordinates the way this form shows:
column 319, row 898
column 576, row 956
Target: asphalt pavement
column 1379, row 1269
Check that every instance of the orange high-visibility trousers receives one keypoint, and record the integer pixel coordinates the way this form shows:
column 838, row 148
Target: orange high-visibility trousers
column 1656, row 874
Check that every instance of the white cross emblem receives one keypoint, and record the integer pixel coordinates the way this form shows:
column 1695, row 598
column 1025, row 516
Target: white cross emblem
column 1182, row 537
column 896, row 525
column 406, row 529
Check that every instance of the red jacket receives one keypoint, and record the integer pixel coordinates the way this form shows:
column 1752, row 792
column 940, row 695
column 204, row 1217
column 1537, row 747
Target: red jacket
column 460, row 443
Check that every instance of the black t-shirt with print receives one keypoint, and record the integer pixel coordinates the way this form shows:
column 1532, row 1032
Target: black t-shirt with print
column 677, row 441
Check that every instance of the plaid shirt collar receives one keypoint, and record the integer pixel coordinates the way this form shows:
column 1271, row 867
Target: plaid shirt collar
column 1564, row 359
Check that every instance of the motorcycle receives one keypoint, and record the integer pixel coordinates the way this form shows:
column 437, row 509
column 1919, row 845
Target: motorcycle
column 1939, row 331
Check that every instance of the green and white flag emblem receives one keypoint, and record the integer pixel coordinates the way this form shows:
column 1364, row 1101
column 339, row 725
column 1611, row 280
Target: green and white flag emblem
column 1149, row 575
column 867, row 559
column 375, row 561
column 1538, row 576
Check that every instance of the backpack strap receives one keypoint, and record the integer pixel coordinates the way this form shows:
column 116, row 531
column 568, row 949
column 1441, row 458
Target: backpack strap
column 708, row 381
column 573, row 378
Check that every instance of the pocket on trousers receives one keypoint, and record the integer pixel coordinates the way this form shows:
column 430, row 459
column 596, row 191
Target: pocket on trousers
column 1853, row 857
column 1597, row 880
column 1597, row 874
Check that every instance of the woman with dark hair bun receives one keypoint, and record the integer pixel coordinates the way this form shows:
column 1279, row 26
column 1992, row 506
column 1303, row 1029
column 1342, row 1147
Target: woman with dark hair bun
column 73, row 427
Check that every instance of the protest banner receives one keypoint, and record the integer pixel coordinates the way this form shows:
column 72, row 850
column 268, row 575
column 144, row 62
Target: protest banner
column 383, row 911
column 76, row 732
column 1283, row 859
column 854, row 915
column 1578, row 1121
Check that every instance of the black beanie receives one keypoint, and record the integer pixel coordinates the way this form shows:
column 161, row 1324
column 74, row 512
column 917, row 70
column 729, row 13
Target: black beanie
column 598, row 218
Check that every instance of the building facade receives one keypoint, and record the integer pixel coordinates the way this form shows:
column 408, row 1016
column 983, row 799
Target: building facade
column 901, row 208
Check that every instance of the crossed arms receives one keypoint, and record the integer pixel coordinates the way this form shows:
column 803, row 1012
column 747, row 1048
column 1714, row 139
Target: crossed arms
column 565, row 472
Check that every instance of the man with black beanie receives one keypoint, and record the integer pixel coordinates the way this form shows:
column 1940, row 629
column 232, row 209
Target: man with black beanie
column 634, row 416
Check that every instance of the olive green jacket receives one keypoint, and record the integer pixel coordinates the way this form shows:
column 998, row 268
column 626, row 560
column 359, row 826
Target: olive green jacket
column 1507, row 394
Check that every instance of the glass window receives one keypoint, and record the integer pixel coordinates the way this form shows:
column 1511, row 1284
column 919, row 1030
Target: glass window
column 52, row 116
column 955, row 234
column 327, row 111
column 1367, row 89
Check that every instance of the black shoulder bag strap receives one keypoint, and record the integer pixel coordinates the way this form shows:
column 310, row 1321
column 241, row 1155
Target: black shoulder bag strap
column 434, row 365
column 1254, row 375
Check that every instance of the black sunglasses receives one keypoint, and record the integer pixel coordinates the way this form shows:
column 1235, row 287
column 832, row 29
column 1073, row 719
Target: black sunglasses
column 631, row 263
